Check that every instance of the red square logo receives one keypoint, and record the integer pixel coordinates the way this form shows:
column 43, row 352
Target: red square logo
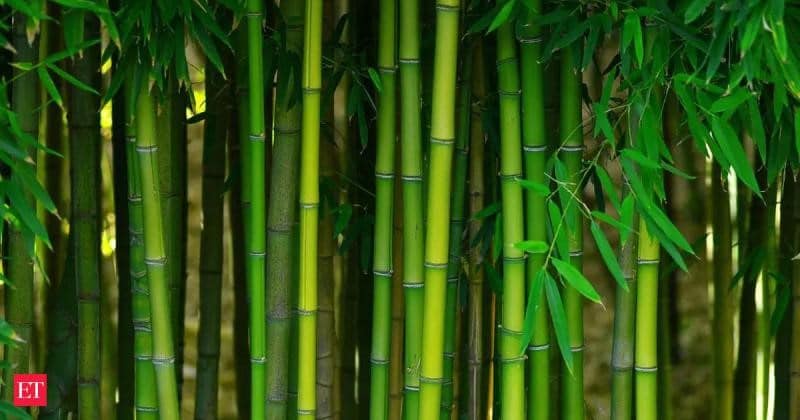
column 30, row 390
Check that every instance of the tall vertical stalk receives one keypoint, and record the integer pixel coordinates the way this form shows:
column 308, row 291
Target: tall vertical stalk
column 437, row 232
column 622, row 353
column 786, row 250
column 384, row 196
column 256, row 238
column 476, row 363
column 154, row 256
column 457, row 205
column 646, row 356
column 211, row 248
column 411, row 178
column 326, row 334
column 512, row 363
column 281, row 219
column 722, row 332
column 534, row 140
column 794, row 345
column 18, row 265
column 84, row 142
column 309, row 211
column 571, row 131
column 396, row 375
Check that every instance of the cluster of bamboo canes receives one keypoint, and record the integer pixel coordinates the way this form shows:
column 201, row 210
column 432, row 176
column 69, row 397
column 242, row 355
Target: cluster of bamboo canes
column 450, row 285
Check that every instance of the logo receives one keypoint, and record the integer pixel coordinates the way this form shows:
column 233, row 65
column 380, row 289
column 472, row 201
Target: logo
column 30, row 390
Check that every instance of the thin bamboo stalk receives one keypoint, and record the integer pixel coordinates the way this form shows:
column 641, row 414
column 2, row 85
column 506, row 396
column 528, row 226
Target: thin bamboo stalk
column 18, row 264
column 326, row 334
column 281, row 220
column 211, row 244
column 396, row 375
column 766, row 289
column 722, row 333
column 534, row 138
column 622, row 356
column 384, row 196
column 476, row 358
column 154, row 257
column 84, row 141
column 443, row 133
column 457, row 204
column 571, row 131
column 512, row 363
column 794, row 345
column 646, row 334
column 256, row 239
column 309, row 211
column 411, row 179
column 786, row 250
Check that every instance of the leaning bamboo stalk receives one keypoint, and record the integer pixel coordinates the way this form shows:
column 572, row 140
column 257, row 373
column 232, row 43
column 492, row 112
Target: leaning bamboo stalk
column 211, row 245
column 18, row 265
column 256, row 238
column 437, row 232
column 534, row 139
column 411, row 179
column 722, row 333
column 572, row 405
column 476, row 363
column 384, row 196
column 512, row 363
column 84, row 142
column 281, row 220
column 154, row 257
column 309, row 211
column 456, row 237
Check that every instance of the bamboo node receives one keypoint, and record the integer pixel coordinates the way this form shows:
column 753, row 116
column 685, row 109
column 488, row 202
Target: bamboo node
column 413, row 285
column 446, row 142
column 130, row 139
column 514, row 260
column 309, row 412
column 502, row 92
column 143, row 357
column 506, row 60
column 309, row 205
column 411, row 388
column 257, row 253
column 384, row 175
column 577, row 349
column 382, row 273
column 510, row 360
column 256, row 138
column 428, row 380
column 449, row 355
column 647, row 262
column 646, row 369
column 147, row 149
column 411, row 178
column 387, row 69
column 534, row 149
column 447, row 8
column 402, row 60
column 258, row 360
column 576, row 253
column 311, row 90
column 379, row 362
column 452, row 279
column 572, row 148
column 161, row 360
column 143, row 409
column 286, row 131
column 540, row 347
column 305, row 312
column 155, row 262
column 529, row 40
column 436, row 266
column 253, row 14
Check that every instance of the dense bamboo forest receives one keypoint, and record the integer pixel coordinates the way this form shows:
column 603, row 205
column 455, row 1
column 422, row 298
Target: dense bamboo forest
column 400, row 209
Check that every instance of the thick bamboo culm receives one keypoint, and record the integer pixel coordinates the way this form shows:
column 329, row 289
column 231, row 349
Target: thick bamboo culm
column 511, row 360
column 535, row 147
column 85, row 176
column 437, row 232
column 571, row 147
column 384, row 197
column 646, row 334
column 413, row 210
column 309, row 211
column 722, row 333
column 622, row 352
column 163, row 358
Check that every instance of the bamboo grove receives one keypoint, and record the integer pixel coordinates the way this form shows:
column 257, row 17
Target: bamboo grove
column 400, row 209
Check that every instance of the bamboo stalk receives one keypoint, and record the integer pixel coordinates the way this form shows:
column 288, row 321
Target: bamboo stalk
column 211, row 244
column 411, row 179
column 622, row 353
column 722, row 333
column 84, row 133
column 571, row 131
column 786, row 250
column 534, row 138
column 766, row 289
column 256, row 239
column 512, row 363
column 154, row 257
column 326, row 250
column 281, row 220
column 18, row 264
column 794, row 345
column 396, row 374
column 646, row 334
column 384, row 195
column 309, row 211
column 438, row 212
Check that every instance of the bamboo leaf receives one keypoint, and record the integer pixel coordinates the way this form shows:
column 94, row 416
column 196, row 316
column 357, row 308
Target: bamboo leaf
column 695, row 9
column 487, row 211
column 376, row 79
column 532, row 247
column 641, row 159
column 730, row 102
column 534, row 186
column 532, row 306
column 733, row 151
column 559, row 319
column 797, row 128
column 71, row 79
column 560, row 237
column 51, row 88
column 576, row 279
column 616, row 224
column 15, row 412
column 608, row 255
column 502, row 15
column 608, row 186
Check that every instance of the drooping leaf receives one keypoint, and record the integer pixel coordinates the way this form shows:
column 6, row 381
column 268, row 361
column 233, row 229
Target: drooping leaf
column 608, row 255
column 559, row 319
column 576, row 279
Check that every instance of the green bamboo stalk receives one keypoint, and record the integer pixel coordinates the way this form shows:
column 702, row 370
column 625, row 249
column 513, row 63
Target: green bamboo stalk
column 766, row 289
column 534, row 139
column 794, row 345
column 309, row 211
column 476, row 358
column 239, row 202
column 571, row 131
column 281, row 219
column 145, row 395
column 512, row 363
column 256, row 238
column 211, row 248
column 411, row 179
column 396, row 375
column 722, row 332
column 326, row 251
column 646, row 335
column 84, row 141
column 443, row 133
column 783, row 336
column 457, row 205
column 154, row 255
column 18, row 265
column 622, row 356
column 384, row 196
